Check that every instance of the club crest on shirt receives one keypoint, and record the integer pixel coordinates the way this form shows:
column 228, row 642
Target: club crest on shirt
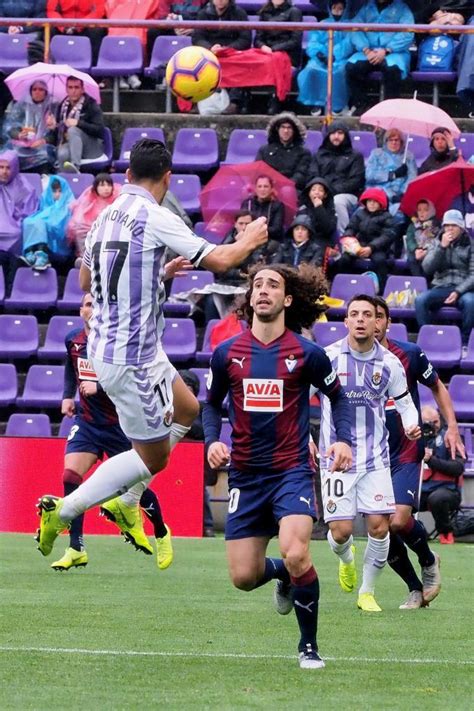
column 331, row 506
column 290, row 363
column 85, row 370
column 263, row 394
column 377, row 378
column 168, row 418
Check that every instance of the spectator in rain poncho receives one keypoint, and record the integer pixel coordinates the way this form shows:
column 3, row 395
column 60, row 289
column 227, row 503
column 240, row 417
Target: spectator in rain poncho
column 87, row 207
column 17, row 200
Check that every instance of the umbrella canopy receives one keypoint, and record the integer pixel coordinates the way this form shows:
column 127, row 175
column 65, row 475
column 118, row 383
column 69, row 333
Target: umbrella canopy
column 439, row 186
column 54, row 76
column 222, row 197
column 411, row 116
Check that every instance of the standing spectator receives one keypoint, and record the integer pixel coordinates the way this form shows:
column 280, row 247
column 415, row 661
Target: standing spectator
column 443, row 151
column 77, row 128
column 263, row 203
column 421, row 234
column 312, row 80
column 79, row 10
column 342, row 167
column 225, row 11
column 279, row 40
column 317, row 203
column 300, row 245
column 450, row 265
column 17, row 201
column 386, row 52
column 285, row 149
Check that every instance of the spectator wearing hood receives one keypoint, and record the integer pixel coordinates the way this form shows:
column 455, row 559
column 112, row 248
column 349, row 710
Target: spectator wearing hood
column 17, row 201
column 300, row 245
column 285, row 149
column 421, row 235
column 450, row 265
column 443, row 151
column 263, row 203
column 312, row 80
column 318, row 204
column 343, row 168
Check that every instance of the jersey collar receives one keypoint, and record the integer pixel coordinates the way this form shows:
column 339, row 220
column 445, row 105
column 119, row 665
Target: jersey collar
column 137, row 190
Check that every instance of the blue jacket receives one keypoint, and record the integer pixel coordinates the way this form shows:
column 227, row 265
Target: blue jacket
column 378, row 166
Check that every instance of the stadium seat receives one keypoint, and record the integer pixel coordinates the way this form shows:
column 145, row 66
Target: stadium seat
column 426, row 396
column 119, row 178
column 195, row 150
column 313, row 139
column 163, row 49
column 327, row 332
column 179, row 339
column 215, row 235
column 442, row 345
column 304, row 5
column 190, row 280
column 461, row 390
column 130, row 137
column 435, row 79
column 8, row 384
column 73, row 50
column 34, row 179
column 73, row 293
column 243, row 145
column 118, row 56
column 65, row 426
column 202, row 374
column 305, row 38
column 78, row 182
column 33, row 289
column 204, row 356
column 187, row 189
column 467, row 363
column 26, row 425
column 397, row 331
column 18, row 336
column 397, row 283
column 465, row 143
column 43, row 387
column 363, row 141
column 13, row 51
column 103, row 162
column 54, row 346
column 419, row 146
column 2, row 286
column 344, row 286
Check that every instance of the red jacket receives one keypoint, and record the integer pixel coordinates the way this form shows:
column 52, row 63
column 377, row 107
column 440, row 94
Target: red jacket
column 76, row 9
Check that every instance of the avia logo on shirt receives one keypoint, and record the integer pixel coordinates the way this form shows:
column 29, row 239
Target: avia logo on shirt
column 263, row 395
column 85, row 369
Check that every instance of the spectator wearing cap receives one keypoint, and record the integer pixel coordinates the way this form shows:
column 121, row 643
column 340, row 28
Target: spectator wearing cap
column 450, row 265
column 300, row 245
column 443, row 151
column 285, row 150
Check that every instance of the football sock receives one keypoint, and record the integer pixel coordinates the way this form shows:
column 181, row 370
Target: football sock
column 305, row 596
column 177, row 433
column 342, row 550
column 274, row 570
column 415, row 536
column 375, row 557
column 151, row 509
column 399, row 561
column 71, row 481
column 112, row 478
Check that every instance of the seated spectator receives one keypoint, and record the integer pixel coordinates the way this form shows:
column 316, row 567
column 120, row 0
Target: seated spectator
column 421, row 233
column 87, row 207
column 386, row 52
column 317, row 203
column 17, row 201
column 342, row 167
column 78, row 10
column 443, row 151
column 25, row 130
column 279, row 41
column 24, row 9
column 263, row 203
column 77, row 128
column 442, row 476
column 285, row 149
column 450, row 266
column 465, row 204
column 44, row 233
column 312, row 80
column 300, row 245
column 225, row 11
column 374, row 228
column 390, row 168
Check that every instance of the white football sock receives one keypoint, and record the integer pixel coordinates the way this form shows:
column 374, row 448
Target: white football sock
column 342, row 550
column 375, row 557
column 112, row 478
column 177, row 433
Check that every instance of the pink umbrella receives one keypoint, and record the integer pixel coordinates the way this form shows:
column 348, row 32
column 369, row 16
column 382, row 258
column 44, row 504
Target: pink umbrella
column 411, row 116
column 54, row 76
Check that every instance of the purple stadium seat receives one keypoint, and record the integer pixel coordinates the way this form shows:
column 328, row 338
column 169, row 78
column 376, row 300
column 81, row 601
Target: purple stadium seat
column 313, row 139
column 73, row 293
column 250, row 6
column 18, row 336
column 8, row 384
column 26, row 425
column 54, row 347
column 13, row 51
column 442, row 345
column 461, row 389
column 34, row 179
column 344, row 286
column 75, row 51
column 212, row 235
column 327, row 332
column 202, row 374
column 305, row 39
column 33, row 289
column 426, row 396
column 118, row 56
column 119, row 178
column 78, row 182
column 304, row 5
column 163, row 49
column 2, row 286
column 397, row 331
column 130, row 137
column 419, row 146
column 204, row 356
column 363, row 141
column 103, row 162
column 435, row 79
column 399, row 283
column 43, row 387
column 465, row 143
column 191, row 280
column 179, row 339
column 187, row 189
column 65, row 426
column 467, row 363
column 243, row 145
column 195, row 149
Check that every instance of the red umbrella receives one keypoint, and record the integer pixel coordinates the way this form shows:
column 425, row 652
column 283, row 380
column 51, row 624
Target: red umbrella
column 439, row 186
column 225, row 192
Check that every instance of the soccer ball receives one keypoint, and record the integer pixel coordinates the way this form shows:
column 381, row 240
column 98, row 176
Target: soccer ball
column 193, row 73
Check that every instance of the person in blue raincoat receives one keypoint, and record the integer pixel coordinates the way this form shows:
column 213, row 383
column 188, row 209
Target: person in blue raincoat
column 44, row 233
column 386, row 52
column 312, row 80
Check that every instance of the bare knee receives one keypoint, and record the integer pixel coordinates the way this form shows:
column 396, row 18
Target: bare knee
column 341, row 530
column 297, row 559
column 378, row 528
column 398, row 523
column 245, row 580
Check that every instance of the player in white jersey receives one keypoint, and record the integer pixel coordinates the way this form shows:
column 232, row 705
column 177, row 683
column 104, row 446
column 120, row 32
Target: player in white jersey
column 122, row 268
column 369, row 374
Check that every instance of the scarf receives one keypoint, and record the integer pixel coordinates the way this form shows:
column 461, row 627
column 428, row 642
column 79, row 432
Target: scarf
column 69, row 111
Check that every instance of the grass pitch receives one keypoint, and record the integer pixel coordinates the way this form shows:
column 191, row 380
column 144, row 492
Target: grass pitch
column 120, row 634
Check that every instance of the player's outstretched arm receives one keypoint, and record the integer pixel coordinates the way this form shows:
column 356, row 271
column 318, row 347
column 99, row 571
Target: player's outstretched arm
column 225, row 256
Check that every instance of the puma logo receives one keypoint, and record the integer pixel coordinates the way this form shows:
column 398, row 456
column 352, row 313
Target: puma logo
column 305, row 607
column 412, row 493
column 239, row 361
column 306, row 501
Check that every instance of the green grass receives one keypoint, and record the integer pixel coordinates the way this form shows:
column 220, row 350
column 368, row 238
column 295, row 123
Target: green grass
column 193, row 625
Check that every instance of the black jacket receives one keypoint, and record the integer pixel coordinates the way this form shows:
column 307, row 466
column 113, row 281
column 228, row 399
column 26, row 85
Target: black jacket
column 91, row 120
column 437, row 160
column 273, row 210
column 291, row 160
column 237, row 39
column 323, row 218
column 310, row 252
column 236, row 276
column 341, row 166
column 281, row 40
column 373, row 229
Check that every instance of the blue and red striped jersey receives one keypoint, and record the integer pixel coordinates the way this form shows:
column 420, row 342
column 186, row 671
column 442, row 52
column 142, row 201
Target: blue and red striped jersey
column 269, row 399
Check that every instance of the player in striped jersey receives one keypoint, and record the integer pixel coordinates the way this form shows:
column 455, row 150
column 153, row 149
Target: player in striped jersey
column 122, row 268
column 368, row 374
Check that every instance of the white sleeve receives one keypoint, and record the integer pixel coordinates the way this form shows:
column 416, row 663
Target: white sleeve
column 171, row 231
column 398, row 390
column 87, row 256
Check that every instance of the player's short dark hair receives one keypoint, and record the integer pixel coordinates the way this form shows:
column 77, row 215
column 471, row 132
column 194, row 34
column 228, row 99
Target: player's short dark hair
column 306, row 285
column 149, row 159
column 362, row 297
column 381, row 303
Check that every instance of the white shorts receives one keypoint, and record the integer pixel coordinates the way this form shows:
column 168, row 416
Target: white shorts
column 345, row 495
column 142, row 395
